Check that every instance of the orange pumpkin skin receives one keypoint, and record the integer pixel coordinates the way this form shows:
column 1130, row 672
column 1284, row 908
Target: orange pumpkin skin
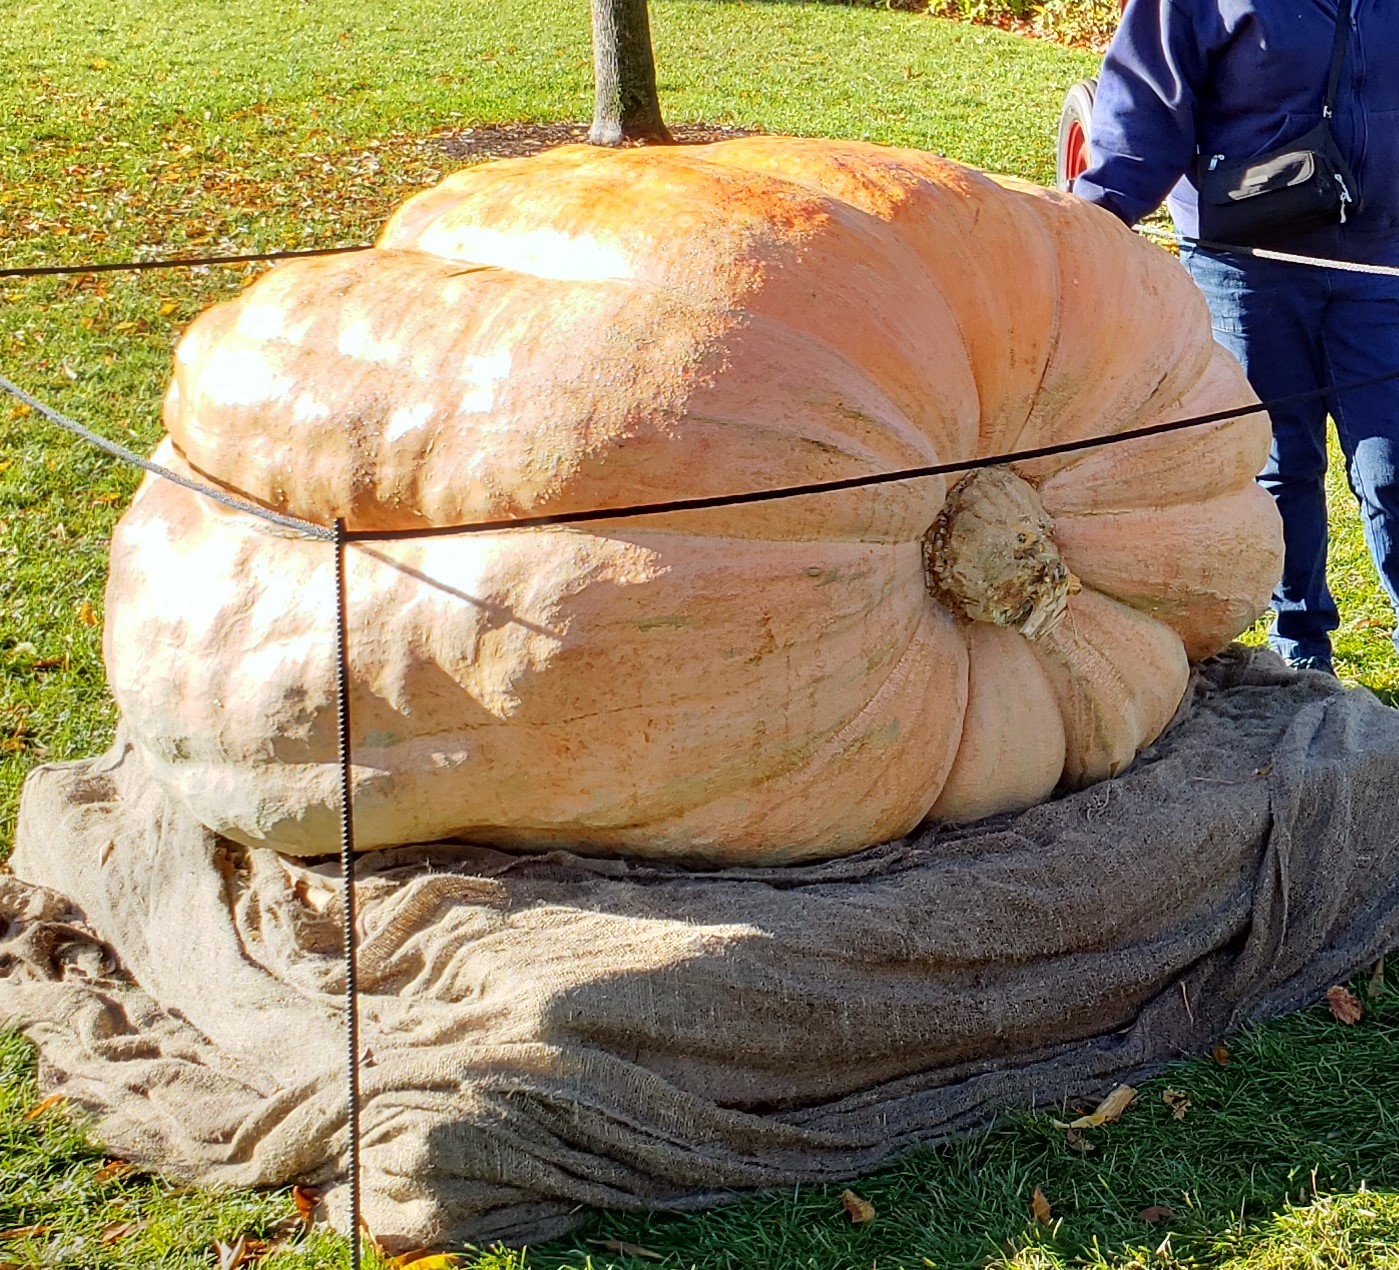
column 772, row 682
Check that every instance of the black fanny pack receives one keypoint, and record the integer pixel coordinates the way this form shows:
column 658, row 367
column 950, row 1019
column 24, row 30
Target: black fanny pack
column 1300, row 186
column 1267, row 198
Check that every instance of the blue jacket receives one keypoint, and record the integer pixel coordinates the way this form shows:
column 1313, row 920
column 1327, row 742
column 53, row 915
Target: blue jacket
column 1240, row 78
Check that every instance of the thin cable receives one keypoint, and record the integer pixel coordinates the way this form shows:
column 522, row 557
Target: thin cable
column 347, row 876
column 178, row 262
column 130, row 456
column 849, row 482
column 1267, row 253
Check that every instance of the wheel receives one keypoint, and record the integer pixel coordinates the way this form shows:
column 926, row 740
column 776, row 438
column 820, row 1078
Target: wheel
column 1072, row 157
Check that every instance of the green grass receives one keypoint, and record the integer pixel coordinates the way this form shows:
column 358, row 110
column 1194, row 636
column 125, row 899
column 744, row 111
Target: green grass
column 139, row 129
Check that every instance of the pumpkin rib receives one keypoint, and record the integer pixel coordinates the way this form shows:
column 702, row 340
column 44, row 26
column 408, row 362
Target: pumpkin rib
column 1152, row 471
column 1210, row 564
column 784, row 813
column 1086, row 390
column 1012, row 749
column 1118, row 675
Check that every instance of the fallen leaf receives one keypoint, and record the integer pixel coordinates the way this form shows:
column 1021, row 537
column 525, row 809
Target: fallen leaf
column 49, row 1103
column 306, row 1198
column 25, row 1232
column 1107, row 1111
column 1220, row 1054
column 1375, row 986
column 857, row 1208
column 628, row 1250
column 425, row 1261
column 115, row 1231
column 87, row 615
column 1345, row 1005
column 233, row 1255
column 1039, row 1208
column 1075, row 1141
column 169, row 307
column 114, row 1169
column 1158, row 1212
column 242, row 1251
column 1178, row 1101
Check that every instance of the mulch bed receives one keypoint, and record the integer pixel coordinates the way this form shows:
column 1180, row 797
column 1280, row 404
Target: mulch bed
column 515, row 140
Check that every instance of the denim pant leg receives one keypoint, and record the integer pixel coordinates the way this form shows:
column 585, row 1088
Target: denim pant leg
column 1361, row 340
column 1269, row 315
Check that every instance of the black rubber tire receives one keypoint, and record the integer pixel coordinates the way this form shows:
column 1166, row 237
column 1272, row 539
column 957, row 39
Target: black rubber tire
column 1071, row 151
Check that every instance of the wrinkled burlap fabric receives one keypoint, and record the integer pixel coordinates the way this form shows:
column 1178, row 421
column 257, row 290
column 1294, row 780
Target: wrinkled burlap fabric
column 547, row 1032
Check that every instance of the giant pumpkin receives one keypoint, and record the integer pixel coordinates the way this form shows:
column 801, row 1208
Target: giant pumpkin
column 590, row 329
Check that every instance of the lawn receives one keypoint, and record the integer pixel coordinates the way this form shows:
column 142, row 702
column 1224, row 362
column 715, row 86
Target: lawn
column 137, row 130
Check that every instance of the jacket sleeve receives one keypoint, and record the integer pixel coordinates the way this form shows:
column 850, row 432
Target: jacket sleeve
column 1142, row 133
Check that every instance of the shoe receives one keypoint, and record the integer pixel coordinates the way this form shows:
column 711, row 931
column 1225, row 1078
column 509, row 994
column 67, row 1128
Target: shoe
column 1318, row 663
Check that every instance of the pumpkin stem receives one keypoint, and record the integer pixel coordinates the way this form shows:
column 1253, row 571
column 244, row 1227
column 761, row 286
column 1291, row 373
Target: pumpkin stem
column 990, row 555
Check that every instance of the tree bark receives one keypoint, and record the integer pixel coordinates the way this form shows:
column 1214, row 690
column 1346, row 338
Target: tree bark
column 627, row 107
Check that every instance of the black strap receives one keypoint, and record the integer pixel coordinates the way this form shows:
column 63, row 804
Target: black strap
column 1338, row 56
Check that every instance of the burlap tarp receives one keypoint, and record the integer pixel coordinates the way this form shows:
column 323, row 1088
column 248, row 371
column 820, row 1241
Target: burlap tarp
column 547, row 1032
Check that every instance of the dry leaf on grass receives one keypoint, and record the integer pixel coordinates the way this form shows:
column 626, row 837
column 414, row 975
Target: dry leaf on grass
column 112, row 1170
column 1178, row 1101
column 233, row 1255
column 1075, row 1141
column 1158, row 1212
column 26, row 1232
column 1220, row 1054
column 1039, row 1208
column 306, row 1198
column 425, row 1261
column 628, row 1250
column 857, row 1208
column 115, row 1231
column 1345, row 1005
column 1107, row 1111
column 49, row 1103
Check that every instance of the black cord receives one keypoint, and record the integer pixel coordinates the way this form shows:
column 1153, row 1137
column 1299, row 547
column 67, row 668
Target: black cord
column 849, row 482
column 178, row 262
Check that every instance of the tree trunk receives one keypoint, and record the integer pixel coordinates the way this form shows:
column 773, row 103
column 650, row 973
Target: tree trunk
column 626, row 107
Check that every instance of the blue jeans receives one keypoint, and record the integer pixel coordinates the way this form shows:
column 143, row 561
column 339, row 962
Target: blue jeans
column 1296, row 328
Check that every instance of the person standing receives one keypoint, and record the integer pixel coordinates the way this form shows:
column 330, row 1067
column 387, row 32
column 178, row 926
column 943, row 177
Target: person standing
column 1190, row 86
